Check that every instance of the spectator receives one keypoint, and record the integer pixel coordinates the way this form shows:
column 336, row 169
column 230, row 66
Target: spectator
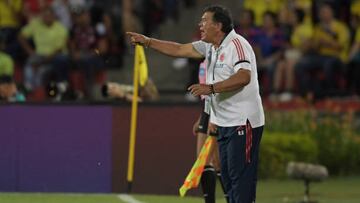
column 33, row 8
column 9, row 91
column 106, row 16
column 246, row 26
column 86, row 48
column 300, row 40
column 271, row 43
column 10, row 21
column 260, row 7
column 342, row 11
column 330, row 42
column 305, row 5
column 48, row 57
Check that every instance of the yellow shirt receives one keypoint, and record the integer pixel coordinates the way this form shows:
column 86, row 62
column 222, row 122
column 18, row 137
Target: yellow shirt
column 357, row 36
column 259, row 7
column 355, row 8
column 9, row 10
column 47, row 39
column 6, row 64
column 301, row 33
column 341, row 33
column 305, row 5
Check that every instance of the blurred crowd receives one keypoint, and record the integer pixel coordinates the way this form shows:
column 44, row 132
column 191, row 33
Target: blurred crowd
column 53, row 46
column 306, row 48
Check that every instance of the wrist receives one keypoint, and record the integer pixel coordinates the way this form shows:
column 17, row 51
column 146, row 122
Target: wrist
column 212, row 89
column 147, row 42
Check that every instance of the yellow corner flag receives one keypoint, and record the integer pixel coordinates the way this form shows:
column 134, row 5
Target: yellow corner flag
column 193, row 178
column 140, row 77
column 140, row 61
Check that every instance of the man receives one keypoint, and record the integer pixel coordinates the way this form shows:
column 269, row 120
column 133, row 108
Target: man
column 234, row 99
column 49, row 54
column 87, row 46
column 330, row 42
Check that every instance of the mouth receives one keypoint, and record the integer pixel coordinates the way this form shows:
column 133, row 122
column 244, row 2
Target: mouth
column 202, row 33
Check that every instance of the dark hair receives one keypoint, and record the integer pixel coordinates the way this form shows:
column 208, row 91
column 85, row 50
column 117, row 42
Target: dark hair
column 6, row 79
column 251, row 14
column 272, row 15
column 221, row 15
column 300, row 15
column 327, row 4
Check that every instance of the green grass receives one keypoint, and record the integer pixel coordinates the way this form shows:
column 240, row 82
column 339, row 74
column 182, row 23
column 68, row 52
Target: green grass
column 340, row 190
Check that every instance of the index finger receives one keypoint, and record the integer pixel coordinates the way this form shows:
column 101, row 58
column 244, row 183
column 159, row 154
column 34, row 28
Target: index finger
column 131, row 33
column 191, row 87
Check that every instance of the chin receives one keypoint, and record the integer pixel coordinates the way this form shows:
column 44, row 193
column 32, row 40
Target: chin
column 204, row 39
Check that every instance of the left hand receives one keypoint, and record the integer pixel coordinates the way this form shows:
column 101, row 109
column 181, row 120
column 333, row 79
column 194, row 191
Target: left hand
column 212, row 129
column 199, row 89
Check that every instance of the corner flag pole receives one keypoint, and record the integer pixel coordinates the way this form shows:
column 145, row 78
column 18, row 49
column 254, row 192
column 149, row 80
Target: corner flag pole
column 134, row 108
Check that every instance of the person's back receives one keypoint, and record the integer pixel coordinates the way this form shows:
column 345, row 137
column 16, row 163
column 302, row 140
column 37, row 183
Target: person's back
column 247, row 28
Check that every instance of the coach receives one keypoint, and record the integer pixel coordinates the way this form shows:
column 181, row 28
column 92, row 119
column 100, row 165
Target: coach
column 235, row 103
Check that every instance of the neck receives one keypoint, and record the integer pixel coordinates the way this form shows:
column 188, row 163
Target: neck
column 218, row 39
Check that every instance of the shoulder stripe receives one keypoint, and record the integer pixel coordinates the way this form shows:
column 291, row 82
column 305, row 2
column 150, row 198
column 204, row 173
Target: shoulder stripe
column 237, row 49
column 241, row 48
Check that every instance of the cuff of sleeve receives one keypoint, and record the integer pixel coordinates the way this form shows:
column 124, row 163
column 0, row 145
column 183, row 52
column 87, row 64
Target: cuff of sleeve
column 246, row 66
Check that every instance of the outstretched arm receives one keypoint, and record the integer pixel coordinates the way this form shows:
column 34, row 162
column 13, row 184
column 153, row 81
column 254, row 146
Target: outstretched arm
column 165, row 47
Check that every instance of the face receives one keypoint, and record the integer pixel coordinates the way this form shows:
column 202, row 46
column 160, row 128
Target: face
column 325, row 13
column 292, row 18
column 84, row 19
column 268, row 22
column 48, row 17
column 208, row 28
column 245, row 19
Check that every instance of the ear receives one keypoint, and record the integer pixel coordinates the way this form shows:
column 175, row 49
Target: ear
column 218, row 26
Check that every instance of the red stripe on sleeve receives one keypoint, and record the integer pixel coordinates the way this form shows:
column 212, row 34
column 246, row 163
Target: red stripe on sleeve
column 237, row 50
column 240, row 48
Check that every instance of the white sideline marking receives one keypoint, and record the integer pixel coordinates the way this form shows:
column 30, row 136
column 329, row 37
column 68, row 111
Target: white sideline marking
column 128, row 198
